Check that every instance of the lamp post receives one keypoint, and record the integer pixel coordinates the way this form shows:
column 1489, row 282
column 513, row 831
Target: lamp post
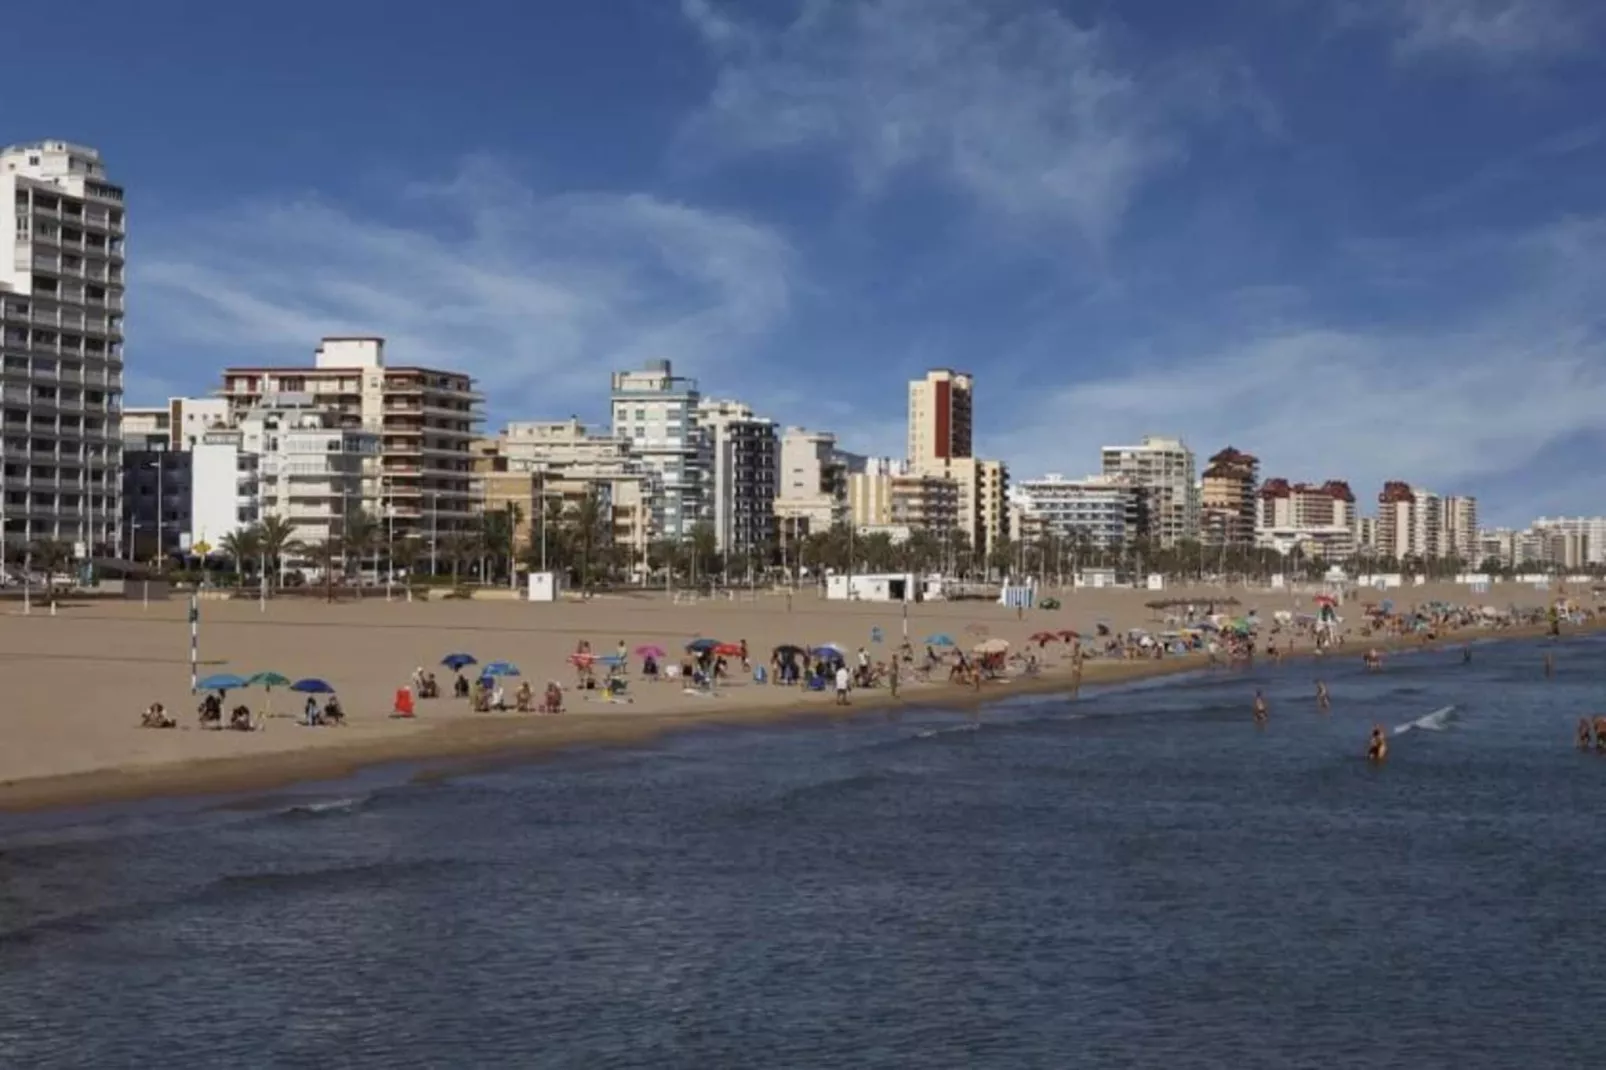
column 390, row 537
column 434, row 535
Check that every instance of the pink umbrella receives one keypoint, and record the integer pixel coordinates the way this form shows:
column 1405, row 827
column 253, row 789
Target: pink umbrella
column 649, row 651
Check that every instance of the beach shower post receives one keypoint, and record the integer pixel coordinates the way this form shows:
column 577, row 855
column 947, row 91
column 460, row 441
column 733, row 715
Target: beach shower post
column 195, row 639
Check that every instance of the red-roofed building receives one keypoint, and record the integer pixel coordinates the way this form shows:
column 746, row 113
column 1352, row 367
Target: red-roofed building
column 1320, row 519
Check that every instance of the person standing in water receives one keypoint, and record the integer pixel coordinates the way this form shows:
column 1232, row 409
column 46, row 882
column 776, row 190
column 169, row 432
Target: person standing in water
column 1261, row 711
column 1323, row 703
column 1550, row 666
column 1466, row 654
column 1600, row 735
column 1377, row 747
column 1585, row 738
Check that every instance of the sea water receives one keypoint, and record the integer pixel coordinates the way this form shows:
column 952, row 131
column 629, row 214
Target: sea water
column 1140, row 877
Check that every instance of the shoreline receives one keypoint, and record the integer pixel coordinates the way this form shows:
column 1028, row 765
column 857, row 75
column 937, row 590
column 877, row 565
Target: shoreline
column 459, row 745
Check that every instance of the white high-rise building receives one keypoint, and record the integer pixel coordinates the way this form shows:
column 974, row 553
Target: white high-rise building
column 291, row 458
column 61, row 327
column 1165, row 469
column 1591, row 529
column 656, row 410
column 745, row 471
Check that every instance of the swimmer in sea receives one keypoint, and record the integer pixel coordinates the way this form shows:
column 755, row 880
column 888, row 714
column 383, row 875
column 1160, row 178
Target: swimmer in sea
column 1585, row 737
column 1377, row 747
column 1260, row 709
column 1550, row 666
column 1323, row 703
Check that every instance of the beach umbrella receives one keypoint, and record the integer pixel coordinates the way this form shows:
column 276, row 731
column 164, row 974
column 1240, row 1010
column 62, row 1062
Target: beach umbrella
column 312, row 686
column 268, row 679
column 728, row 650
column 650, row 650
column 455, row 662
column 789, row 650
column 1070, row 636
column 223, row 681
column 612, row 661
column 991, row 646
column 1044, row 638
column 697, row 646
column 828, row 649
column 500, row 668
column 940, row 639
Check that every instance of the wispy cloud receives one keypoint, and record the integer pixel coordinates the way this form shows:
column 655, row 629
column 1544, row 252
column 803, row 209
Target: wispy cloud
column 1500, row 32
column 538, row 295
column 1444, row 405
column 1039, row 118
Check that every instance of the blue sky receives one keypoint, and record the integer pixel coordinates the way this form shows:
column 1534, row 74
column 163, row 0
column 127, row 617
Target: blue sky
column 1363, row 239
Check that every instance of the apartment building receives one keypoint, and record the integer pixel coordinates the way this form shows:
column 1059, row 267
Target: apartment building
column 1458, row 535
column 1410, row 522
column 870, row 491
column 1164, row 469
column 561, row 463
column 1104, row 510
column 422, row 477
column 1591, row 530
column 812, row 495
column 61, row 348
column 655, row 410
column 288, row 457
column 180, row 423
column 941, row 411
column 745, row 477
column 1227, row 499
column 1317, row 519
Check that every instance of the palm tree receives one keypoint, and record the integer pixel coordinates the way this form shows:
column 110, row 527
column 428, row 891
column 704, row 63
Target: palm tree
column 404, row 554
column 587, row 523
column 361, row 538
column 277, row 538
column 459, row 549
column 51, row 556
column 241, row 547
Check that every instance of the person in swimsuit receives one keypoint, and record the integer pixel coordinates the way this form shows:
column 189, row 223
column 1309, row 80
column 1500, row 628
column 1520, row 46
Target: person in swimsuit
column 1260, row 709
column 1586, row 739
column 1377, row 748
column 1323, row 703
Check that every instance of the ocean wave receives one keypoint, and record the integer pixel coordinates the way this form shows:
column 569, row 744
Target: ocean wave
column 1437, row 721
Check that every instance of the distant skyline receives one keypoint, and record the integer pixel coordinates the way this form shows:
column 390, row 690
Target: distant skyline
column 1362, row 239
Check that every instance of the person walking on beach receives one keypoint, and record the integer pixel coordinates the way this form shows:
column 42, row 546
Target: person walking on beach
column 1323, row 703
column 892, row 677
column 1261, row 712
column 841, row 684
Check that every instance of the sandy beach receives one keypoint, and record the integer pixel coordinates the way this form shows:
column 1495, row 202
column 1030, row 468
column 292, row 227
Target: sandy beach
column 80, row 679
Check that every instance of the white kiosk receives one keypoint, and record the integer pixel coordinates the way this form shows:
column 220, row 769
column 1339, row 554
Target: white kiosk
column 545, row 587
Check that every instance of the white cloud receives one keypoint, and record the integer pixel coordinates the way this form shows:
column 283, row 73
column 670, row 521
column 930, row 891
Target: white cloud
column 1037, row 117
column 1496, row 31
column 539, row 296
column 1442, row 406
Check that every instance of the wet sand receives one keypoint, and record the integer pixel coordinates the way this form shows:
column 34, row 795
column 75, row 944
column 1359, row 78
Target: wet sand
column 77, row 682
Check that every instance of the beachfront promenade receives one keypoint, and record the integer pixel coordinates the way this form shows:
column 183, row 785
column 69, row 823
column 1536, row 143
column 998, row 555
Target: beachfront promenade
column 78, row 681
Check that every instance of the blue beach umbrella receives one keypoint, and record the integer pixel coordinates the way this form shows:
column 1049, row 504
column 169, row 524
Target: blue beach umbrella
column 223, row 681
column 700, row 645
column 500, row 668
column 457, row 661
column 940, row 639
column 312, row 686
